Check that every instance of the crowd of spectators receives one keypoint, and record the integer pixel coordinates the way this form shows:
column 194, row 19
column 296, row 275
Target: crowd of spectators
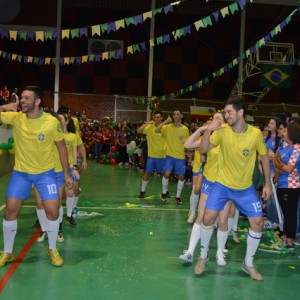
column 8, row 95
column 111, row 142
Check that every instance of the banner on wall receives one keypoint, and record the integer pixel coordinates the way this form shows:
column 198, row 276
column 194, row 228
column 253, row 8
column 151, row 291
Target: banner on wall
column 275, row 76
column 202, row 112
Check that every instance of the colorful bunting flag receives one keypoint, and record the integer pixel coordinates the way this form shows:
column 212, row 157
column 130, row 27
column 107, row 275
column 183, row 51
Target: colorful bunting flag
column 83, row 31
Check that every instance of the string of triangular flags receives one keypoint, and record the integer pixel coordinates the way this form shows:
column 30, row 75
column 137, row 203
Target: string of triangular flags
column 95, row 30
column 223, row 70
column 179, row 33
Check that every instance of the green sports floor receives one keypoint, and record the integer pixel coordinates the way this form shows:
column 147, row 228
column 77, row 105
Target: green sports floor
column 127, row 248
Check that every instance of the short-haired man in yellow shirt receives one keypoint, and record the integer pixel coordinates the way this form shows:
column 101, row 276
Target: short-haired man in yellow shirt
column 239, row 144
column 175, row 134
column 35, row 134
column 156, row 149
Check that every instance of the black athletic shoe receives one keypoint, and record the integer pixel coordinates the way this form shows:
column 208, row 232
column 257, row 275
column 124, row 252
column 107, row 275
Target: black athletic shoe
column 163, row 198
column 36, row 224
column 168, row 194
column 178, row 201
column 71, row 221
column 142, row 195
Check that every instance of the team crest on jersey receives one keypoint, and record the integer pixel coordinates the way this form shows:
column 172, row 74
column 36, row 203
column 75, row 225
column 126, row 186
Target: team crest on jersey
column 59, row 128
column 41, row 137
column 246, row 152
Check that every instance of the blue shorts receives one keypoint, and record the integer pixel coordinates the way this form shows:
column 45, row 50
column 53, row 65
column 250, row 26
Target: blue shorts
column 74, row 178
column 206, row 186
column 246, row 201
column 21, row 183
column 155, row 164
column 176, row 163
column 60, row 178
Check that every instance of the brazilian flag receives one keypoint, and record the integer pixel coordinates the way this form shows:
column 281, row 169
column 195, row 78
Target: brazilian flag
column 275, row 76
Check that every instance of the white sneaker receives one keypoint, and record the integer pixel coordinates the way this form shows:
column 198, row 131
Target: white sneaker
column 252, row 272
column 60, row 237
column 42, row 237
column 186, row 256
column 200, row 266
column 297, row 242
column 220, row 258
column 191, row 218
column 268, row 225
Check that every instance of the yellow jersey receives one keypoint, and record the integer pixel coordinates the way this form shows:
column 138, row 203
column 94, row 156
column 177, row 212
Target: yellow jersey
column 237, row 155
column 71, row 141
column 155, row 141
column 33, row 141
column 197, row 159
column 210, row 169
column 175, row 138
column 57, row 164
column 77, row 127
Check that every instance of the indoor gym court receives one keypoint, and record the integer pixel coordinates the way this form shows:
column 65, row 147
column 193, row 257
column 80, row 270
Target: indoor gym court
column 126, row 248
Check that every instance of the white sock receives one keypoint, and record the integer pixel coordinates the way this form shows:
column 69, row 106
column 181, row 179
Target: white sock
column 221, row 240
column 180, row 186
column 70, row 205
column 42, row 218
column 206, row 233
column 144, row 185
column 252, row 245
column 61, row 214
column 165, row 183
column 235, row 220
column 9, row 234
column 52, row 232
column 76, row 198
column 194, row 238
column 194, row 199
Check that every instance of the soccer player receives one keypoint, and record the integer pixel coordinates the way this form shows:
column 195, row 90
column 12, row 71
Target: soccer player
column 210, row 171
column 71, row 144
column 35, row 134
column 63, row 109
column 239, row 144
column 156, row 150
column 197, row 172
column 175, row 134
column 40, row 211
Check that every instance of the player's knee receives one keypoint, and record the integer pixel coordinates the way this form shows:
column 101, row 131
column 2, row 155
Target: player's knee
column 208, row 220
column 11, row 213
column 52, row 215
column 257, row 224
column 222, row 225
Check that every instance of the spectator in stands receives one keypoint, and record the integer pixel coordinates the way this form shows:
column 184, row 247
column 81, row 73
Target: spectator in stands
column 5, row 94
column 14, row 95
